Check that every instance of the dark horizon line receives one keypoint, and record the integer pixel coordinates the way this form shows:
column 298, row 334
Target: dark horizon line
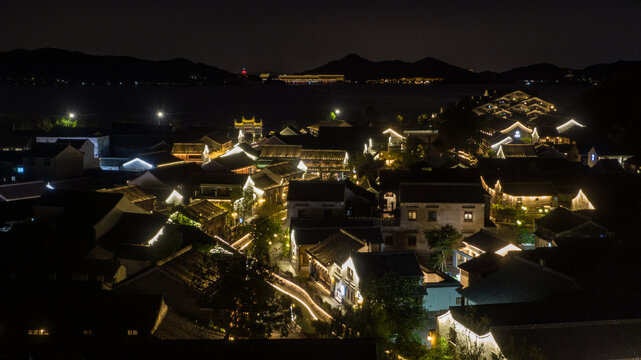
column 317, row 66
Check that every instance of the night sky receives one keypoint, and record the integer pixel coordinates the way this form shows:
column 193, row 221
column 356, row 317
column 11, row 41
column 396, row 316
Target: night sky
column 288, row 36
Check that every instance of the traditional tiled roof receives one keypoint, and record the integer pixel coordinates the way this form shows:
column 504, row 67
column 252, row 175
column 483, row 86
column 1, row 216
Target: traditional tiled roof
column 335, row 249
column 376, row 264
column 76, row 143
column 517, row 150
column 483, row 264
column 131, row 192
column 235, row 161
column 248, row 149
column 518, row 280
column 281, row 151
column 581, row 328
column 188, row 148
column 529, row 188
column 107, row 313
column 284, row 169
column 203, row 210
column 561, row 220
column 192, row 173
column 441, row 193
column 135, row 229
column 15, row 141
column 172, row 278
column 313, row 235
column 333, row 191
column 319, row 154
column 81, row 206
column 216, row 138
column 593, row 340
column 20, row 191
column 486, row 241
column 159, row 158
column 46, row 150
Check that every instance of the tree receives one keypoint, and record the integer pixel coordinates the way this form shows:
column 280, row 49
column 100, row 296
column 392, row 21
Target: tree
column 524, row 237
column 414, row 151
column 262, row 230
column 45, row 124
column 443, row 350
column 466, row 349
column 371, row 116
column 390, row 312
column 421, row 120
column 366, row 166
column 245, row 204
column 442, row 242
column 65, row 122
column 244, row 302
column 167, row 244
column 459, row 125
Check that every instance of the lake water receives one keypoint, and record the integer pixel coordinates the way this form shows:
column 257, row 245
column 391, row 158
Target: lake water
column 276, row 104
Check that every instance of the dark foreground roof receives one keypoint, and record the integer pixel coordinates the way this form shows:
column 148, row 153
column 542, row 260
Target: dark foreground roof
column 577, row 328
column 376, row 264
column 561, row 219
column 316, row 191
column 277, row 349
column 519, row 281
column 21, row 191
column 335, row 249
column 442, row 193
column 601, row 340
column 486, row 241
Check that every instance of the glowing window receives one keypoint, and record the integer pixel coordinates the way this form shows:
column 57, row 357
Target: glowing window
column 468, row 216
column 38, row 332
column 411, row 215
column 517, row 134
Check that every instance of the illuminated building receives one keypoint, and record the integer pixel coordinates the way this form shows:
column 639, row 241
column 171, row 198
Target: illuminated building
column 191, row 152
column 311, row 79
column 249, row 130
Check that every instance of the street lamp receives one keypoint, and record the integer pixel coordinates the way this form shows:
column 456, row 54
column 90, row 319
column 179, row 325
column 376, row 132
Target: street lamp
column 337, row 111
column 160, row 114
column 72, row 115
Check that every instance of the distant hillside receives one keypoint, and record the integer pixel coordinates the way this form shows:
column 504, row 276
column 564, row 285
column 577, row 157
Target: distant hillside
column 52, row 64
column 544, row 71
column 355, row 67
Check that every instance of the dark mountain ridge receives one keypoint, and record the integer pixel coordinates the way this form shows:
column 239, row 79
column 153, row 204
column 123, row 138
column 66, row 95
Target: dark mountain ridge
column 69, row 66
column 357, row 68
column 50, row 65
